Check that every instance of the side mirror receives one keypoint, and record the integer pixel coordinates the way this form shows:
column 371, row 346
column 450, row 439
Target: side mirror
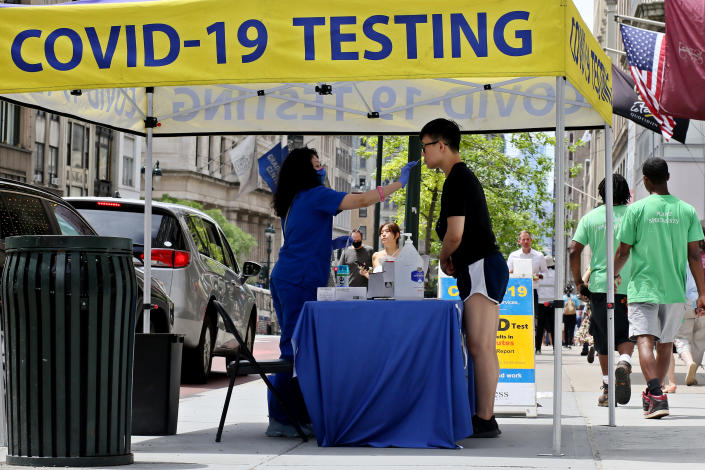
column 249, row 269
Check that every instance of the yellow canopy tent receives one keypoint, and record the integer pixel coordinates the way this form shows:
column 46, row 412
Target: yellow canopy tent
column 176, row 67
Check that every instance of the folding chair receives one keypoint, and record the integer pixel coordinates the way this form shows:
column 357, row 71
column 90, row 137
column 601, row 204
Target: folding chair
column 251, row 366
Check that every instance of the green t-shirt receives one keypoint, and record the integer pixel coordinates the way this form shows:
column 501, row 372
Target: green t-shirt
column 659, row 229
column 592, row 231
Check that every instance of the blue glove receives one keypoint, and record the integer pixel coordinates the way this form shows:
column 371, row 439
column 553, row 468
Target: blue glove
column 404, row 178
column 342, row 242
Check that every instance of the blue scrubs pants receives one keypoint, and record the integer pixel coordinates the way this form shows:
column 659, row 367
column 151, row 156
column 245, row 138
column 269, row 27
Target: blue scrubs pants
column 288, row 301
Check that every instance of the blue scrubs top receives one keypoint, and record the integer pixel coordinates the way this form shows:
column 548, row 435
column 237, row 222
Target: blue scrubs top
column 305, row 256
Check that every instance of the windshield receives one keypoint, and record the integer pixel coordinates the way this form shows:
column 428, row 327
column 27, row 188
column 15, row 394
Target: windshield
column 166, row 232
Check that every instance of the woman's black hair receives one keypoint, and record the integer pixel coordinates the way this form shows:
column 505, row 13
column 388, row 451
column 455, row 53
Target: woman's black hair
column 296, row 174
column 620, row 190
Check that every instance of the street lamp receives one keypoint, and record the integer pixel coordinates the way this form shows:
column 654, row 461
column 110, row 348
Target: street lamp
column 156, row 172
column 269, row 232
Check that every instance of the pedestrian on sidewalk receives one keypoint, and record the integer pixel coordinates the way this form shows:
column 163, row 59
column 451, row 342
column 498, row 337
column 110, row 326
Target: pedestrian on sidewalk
column 690, row 338
column 592, row 232
column 470, row 254
column 570, row 307
column 662, row 235
column 538, row 271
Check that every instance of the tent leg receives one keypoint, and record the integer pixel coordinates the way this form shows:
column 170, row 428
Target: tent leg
column 147, row 291
column 378, row 182
column 609, row 214
column 560, row 260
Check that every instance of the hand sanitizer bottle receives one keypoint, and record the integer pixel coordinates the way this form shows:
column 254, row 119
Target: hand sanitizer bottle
column 408, row 272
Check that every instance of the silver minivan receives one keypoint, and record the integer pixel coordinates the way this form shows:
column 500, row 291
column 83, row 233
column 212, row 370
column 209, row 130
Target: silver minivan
column 193, row 259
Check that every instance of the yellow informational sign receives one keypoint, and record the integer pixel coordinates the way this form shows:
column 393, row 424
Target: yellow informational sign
column 178, row 42
column 515, row 342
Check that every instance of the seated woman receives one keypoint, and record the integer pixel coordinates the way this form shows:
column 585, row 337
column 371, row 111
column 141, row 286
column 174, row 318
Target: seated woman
column 389, row 234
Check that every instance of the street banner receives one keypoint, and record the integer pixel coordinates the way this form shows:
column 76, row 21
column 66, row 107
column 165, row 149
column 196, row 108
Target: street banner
column 684, row 75
column 515, row 341
column 104, row 44
column 242, row 158
column 627, row 103
column 270, row 163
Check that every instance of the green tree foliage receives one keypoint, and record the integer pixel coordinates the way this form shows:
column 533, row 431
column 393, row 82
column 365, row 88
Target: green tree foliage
column 240, row 242
column 516, row 187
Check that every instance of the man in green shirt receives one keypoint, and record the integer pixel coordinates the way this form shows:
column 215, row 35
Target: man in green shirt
column 592, row 231
column 661, row 233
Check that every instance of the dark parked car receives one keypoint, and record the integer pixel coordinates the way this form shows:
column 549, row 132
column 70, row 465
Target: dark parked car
column 29, row 210
column 192, row 257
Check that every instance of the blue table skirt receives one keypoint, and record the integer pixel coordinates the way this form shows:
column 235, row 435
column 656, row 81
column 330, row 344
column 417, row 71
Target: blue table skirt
column 384, row 373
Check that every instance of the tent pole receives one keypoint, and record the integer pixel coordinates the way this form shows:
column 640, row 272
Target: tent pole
column 147, row 291
column 413, row 192
column 609, row 215
column 378, row 182
column 560, row 267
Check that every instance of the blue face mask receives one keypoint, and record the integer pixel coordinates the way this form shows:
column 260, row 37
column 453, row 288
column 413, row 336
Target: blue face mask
column 321, row 175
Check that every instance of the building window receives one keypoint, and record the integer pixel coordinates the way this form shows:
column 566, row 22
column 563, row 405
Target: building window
column 77, row 150
column 38, row 162
column 128, row 161
column 363, row 162
column 53, row 165
column 103, row 142
column 9, row 123
column 362, row 212
column 363, row 231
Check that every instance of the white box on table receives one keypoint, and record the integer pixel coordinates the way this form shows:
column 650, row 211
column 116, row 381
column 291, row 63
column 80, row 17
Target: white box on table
column 327, row 294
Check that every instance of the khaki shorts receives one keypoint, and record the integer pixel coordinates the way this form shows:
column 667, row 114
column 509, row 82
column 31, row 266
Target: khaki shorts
column 659, row 320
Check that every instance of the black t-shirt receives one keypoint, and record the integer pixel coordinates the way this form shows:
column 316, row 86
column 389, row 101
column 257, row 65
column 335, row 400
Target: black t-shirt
column 463, row 196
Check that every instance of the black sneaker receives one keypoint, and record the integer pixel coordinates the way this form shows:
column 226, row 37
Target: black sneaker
column 623, row 385
column 584, row 351
column 591, row 355
column 485, row 427
column 645, row 400
column 658, row 406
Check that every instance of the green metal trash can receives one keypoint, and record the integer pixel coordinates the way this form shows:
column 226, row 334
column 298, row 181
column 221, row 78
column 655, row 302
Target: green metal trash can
column 68, row 316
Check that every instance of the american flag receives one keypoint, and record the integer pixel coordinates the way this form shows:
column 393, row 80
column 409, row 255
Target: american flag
column 646, row 53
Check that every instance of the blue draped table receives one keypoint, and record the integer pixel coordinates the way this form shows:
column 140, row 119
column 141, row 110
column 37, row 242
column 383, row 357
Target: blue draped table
column 384, row 373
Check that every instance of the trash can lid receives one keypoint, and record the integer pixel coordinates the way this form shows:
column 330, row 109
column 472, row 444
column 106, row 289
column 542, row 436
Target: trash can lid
column 118, row 245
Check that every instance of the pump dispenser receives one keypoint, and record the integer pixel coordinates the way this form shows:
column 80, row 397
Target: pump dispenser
column 408, row 272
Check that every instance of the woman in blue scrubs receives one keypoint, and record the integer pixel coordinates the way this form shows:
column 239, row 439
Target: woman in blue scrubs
column 306, row 208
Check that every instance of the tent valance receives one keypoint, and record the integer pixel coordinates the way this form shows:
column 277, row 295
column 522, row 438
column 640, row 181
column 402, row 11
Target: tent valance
column 284, row 49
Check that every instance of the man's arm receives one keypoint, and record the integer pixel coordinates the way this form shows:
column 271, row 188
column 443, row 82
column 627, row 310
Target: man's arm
column 576, row 250
column 621, row 257
column 696, row 268
column 451, row 242
column 542, row 267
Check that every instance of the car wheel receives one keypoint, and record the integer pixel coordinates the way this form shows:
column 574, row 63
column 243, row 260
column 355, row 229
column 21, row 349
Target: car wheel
column 199, row 360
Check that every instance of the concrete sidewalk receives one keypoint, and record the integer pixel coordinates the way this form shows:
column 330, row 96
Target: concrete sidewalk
column 588, row 443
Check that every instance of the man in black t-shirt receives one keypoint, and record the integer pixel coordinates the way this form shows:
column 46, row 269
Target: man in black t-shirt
column 470, row 254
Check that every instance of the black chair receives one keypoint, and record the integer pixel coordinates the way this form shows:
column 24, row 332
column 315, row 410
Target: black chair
column 250, row 365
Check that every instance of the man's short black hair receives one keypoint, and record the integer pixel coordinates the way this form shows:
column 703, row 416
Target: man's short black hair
column 620, row 190
column 656, row 169
column 445, row 130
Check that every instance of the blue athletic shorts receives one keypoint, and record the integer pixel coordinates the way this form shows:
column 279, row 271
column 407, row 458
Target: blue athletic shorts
column 488, row 276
